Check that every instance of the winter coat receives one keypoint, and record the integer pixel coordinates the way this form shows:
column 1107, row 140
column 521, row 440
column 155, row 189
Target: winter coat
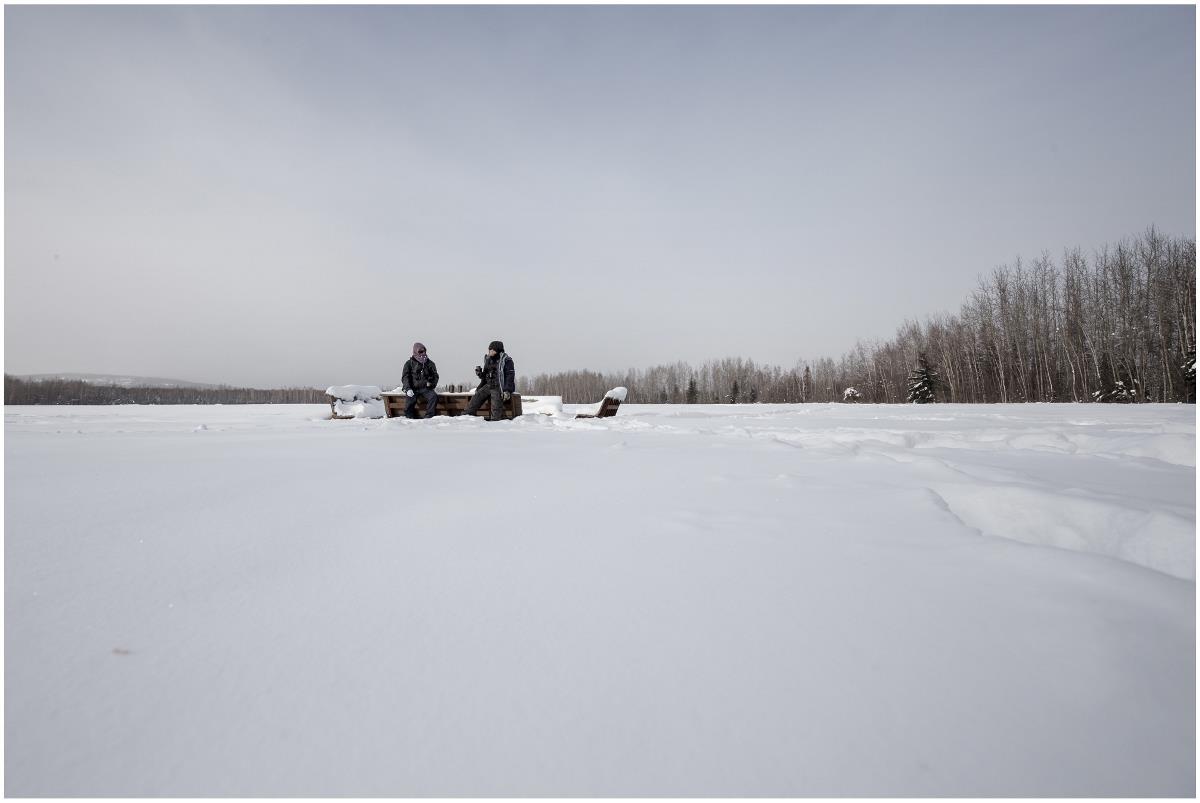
column 499, row 371
column 419, row 376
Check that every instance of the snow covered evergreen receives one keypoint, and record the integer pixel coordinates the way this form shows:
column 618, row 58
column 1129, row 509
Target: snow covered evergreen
column 923, row 382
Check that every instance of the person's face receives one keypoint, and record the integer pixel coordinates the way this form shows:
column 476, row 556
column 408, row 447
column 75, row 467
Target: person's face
column 492, row 352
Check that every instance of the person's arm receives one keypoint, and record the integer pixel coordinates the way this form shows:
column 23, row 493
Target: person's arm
column 432, row 374
column 510, row 376
column 406, row 377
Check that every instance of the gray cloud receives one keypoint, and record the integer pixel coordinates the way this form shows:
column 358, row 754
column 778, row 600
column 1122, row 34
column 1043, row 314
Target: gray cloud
column 277, row 195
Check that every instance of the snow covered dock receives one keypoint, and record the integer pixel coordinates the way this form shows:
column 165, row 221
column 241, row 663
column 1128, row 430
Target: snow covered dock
column 756, row 600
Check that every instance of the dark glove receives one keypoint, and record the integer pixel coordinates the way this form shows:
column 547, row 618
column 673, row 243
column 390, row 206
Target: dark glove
column 506, row 395
column 479, row 371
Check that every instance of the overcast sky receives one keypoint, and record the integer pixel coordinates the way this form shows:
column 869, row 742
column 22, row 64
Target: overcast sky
column 292, row 195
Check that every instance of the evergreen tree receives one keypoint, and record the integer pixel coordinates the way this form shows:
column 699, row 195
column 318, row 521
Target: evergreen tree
column 693, row 394
column 733, row 393
column 806, row 387
column 754, row 394
column 923, row 382
column 1108, row 380
column 1111, row 388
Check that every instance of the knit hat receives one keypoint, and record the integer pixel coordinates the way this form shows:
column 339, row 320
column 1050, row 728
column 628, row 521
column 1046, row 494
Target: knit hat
column 496, row 346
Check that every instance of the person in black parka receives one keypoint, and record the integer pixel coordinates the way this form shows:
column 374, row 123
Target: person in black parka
column 419, row 380
column 497, row 381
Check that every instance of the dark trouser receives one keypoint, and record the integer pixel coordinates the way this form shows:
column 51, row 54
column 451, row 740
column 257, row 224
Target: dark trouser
column 482, row 395
column 410, row 404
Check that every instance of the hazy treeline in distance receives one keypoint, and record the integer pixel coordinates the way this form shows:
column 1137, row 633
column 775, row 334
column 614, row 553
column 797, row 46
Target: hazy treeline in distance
column 74, row 391
column 1116, row 325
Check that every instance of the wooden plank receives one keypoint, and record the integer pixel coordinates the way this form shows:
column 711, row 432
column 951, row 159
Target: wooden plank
column 608, row 407
column 388, row 399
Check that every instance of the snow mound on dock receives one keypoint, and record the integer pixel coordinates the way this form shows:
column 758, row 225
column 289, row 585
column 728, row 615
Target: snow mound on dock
column 351, row 393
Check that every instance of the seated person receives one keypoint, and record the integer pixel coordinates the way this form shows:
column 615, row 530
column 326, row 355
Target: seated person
column 419, row 380
column 497, row 381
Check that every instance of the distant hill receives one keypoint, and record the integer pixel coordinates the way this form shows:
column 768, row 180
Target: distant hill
column 110, row 389
column 114, row 380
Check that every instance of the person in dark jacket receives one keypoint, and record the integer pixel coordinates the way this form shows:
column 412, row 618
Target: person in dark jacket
column 419, row 380
column 497, row 381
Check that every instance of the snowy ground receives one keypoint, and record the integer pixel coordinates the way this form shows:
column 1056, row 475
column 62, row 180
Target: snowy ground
column 684, row 601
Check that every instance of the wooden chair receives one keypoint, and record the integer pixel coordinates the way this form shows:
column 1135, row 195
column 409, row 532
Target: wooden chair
column 608, row 408
column 333, row 400
column 349, row 394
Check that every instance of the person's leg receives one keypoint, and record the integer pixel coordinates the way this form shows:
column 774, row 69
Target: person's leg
column 476, row 401
column 431, row 402
column 410, row 406
column 497, row 405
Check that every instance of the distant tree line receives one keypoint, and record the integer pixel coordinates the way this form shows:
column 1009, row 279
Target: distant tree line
column 716, row 381
column 74, row 391
column 1116, row 326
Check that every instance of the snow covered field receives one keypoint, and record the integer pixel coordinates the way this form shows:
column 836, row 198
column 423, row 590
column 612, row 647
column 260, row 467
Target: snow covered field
column 751, row 600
